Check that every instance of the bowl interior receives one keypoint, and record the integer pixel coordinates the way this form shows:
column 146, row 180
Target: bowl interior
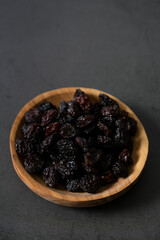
column 139, row 155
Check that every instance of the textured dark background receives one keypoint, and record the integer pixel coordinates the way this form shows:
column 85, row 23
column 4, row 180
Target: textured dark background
column 113, row 46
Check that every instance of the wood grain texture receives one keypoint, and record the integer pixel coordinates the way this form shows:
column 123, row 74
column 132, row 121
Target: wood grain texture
column 59, row 195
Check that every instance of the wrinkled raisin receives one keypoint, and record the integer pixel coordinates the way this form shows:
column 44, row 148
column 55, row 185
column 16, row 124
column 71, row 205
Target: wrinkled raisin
column 85, row 120
column 33, row 116
column 119, row 169
column 104, row 141
column 50, row 176
column 103, row 127
column 23, row 147
column 33, row 163
column 33, row 132
column 66, row 147
column 89, row 183
column 73, row 185
column 52, row 128
column 125, row 157
column 67, row 169
column 43, row 107
column 68, row 131
column 48, row 117
column 108, row 177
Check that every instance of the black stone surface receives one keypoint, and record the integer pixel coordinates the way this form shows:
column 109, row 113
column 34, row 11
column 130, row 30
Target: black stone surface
column 113, row 46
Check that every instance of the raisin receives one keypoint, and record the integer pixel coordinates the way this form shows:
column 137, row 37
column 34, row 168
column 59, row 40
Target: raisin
column 90, row 168
column 73, row 109
column 107, row 162
column 78, row 92
column 121, row 138
column 66, row 147
column 93, row 157
column 85, row 120
column 89, row 183
column 108, row 177
column 103, row 127
column 33, row 132
column 47, row 144
column 52, row 128
column 84, row 102
column 125, row 157
column 67, row 169
column 23, row 147
column 48, row 117
column 50, row 176
column 73, row 185
column 110, row 111
column 33, row 163
column 106, row 100
column 63, row 106
column 132, row 126
column 33, row 116
column 104, row 141
column 119, row 169
column 68, row 131
column 96, row 109
column 43, row 107
column 82, row 142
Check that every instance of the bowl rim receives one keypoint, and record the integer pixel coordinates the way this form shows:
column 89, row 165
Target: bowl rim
column 53, row 194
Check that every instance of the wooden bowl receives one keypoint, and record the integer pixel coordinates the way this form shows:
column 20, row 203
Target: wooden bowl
column 59, row 195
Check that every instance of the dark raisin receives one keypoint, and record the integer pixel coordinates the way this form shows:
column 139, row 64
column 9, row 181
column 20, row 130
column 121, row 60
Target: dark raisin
column 125, row 157
column 89, row 183
column 82, row 142
column 84, row 102
column 108, row 177
column 23, row 147
column 106, row 100
column 50, row 176
column 78, row 92
column 52, row 128
column 119, row 169
column 48, row 117
column 131, row 126
column 103, row 127
column 73, row 109
column 48, row 144
column 93, row 157
column 43, row 107
column 121, row 138
column 33, row 132
column 73, row 185
column 85, row 120
column 111, row 110
column 33, row 163
column 96, row 109
column 63, row 106
column 68, row 131
column 33, row 116
column 67, row 169
column 104, row 141
column 66, row 147
column 107, row 162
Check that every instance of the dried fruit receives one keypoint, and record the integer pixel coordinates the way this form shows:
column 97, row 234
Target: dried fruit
column 119, row 169
column 33, row 116
column 48, row 117
column 73, row 185
column 23, row 147
column 67, row 169
column 33, row 132
column 43, row 107
column 33, row 163
column 52, row 128
column 89, row 183
column 85, row 120
column 50, row 176
column 80, row 144
column 68, row 131
column 125, row 157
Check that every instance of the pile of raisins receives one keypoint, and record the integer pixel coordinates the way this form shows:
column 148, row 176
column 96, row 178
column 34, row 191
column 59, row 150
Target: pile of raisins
column 81, row 145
